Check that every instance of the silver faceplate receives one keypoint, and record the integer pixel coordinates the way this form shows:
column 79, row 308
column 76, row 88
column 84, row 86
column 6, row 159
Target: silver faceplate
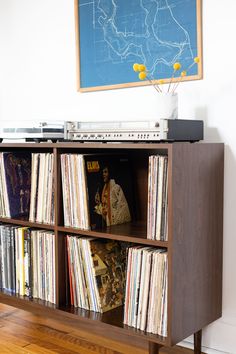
column 117, row 131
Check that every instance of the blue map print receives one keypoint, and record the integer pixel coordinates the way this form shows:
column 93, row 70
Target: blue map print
column 114, row 34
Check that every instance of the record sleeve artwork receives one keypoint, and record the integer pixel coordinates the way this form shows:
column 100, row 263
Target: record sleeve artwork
column 112, row 35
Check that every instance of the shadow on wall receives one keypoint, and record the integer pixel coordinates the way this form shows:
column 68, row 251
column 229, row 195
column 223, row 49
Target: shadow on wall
column 211, row 134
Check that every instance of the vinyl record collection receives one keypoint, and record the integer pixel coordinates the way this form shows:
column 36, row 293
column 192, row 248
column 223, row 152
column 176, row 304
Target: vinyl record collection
column 27, row 262
column 146, row 290
column 97, row 192
column 75, row 200
column 15, row 170
column 96, row 272
column 42, row 188
column 157, row 226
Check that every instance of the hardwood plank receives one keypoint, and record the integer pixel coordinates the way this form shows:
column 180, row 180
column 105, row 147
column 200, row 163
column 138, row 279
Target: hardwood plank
column 111, row 323
column 112, row 347
column 7, row 347
column 79, row 333
column 20, row 333
column 45, row 342
column 34, row 348
column 23, row 332
column 48, row 337
column 6, row 310
column 47, row 347
column 13, row 337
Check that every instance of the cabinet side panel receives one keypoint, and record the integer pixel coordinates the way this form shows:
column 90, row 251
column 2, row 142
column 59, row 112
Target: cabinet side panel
column 197, row 239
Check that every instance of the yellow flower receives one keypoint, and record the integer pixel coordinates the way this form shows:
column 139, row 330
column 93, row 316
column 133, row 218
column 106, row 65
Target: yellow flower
column 142, row 75
column 142, row 67
column 160, row 82
column 183, row 73
column 136, row 67
column 176, row 66
column 196, row 60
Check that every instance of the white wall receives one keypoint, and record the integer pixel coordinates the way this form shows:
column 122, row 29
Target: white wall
column 38, row 81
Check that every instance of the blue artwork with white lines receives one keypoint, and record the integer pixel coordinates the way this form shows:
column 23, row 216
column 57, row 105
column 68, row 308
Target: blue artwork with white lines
column 114, row 34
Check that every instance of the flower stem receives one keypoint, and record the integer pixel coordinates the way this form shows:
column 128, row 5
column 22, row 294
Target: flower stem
column 171, row 81
column 156, row 87
column 177, row 84
column 160, row 90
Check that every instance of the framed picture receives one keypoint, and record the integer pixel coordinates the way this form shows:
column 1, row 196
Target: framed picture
column 112, row 35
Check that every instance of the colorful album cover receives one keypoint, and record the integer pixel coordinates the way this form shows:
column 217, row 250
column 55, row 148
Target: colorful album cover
column 109, row 185
column 109, row 260
column 18, row 181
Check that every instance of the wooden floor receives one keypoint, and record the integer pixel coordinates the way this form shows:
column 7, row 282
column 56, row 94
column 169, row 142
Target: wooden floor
column 22, row 332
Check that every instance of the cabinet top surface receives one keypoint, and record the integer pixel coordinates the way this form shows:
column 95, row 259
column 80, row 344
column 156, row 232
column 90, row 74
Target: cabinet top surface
column 91, row 145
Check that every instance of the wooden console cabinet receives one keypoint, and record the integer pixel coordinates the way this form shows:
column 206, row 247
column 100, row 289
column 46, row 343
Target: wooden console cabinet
column 195, row 234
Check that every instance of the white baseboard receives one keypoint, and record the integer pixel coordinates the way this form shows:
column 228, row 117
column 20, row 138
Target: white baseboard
column 218, row 338
column 189, row 345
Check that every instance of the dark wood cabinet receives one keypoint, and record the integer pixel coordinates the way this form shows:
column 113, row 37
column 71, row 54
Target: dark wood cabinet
column 195, row 238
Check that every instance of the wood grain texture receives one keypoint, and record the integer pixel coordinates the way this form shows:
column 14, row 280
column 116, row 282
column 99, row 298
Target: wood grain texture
column 154, row 348
column 85, row 147
column 197, row 342
column 195, row 224
column 196, row 239
column 109, row 323
column 129, row 232
column 24, row 222
column 25, row 333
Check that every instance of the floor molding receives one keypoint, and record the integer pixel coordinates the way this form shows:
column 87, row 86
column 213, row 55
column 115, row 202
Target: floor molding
column 206, row 350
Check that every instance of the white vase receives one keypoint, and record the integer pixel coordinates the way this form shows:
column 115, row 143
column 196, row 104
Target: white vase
column 167, row 105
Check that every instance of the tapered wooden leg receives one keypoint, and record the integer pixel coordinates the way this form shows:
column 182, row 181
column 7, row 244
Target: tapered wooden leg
column 154, row 348
column 198, row 342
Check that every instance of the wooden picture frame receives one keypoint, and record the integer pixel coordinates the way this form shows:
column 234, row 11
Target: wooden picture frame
column 111, row 38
